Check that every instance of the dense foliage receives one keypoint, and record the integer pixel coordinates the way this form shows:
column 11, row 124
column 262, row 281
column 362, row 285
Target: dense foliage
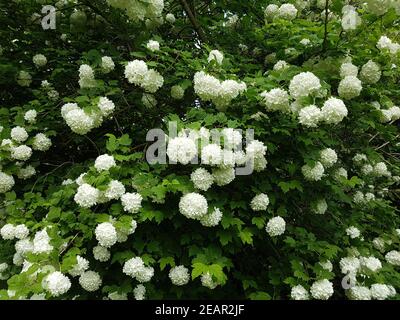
column 84, row 215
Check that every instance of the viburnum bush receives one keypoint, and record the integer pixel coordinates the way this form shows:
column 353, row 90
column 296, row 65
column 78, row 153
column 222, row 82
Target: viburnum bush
column 84, row 212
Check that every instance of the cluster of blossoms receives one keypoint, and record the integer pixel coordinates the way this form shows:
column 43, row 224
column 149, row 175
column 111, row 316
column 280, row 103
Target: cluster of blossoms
column 107, row 235
column 86, row 76
column 82, row 122
column 387, row 45
column 286, row 11
column 139, row 10
column 136, row 269
column 107, row 64
column 139, row 74
column 350, row 86
column 350, row 19
column 221, row 93
column 153, row 45
column 216, row 55
column 39, row 60
column 179, row 275
column 275, row 226
column 48, row 88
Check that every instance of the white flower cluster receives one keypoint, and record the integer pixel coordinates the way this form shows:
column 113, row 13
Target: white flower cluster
column 41, row 142
column 80, row 267
column 319, row 206
column 349, row 87
column 153, row 45
column 80, row 122
column 286, row 11
column 193, row 205
column 86, row 76
column 260, row 202
column 393, row 257
column 106, row 235
column 139, row 74
column 56, row 283
column 100, row 253
column 131, row 202
column 304, row 84
column 135, row 268
column 30, row 116
column 90, row 281
column 181, row 150
column 353, row 232
column 6, row 182
column 104, row 163
column 179, row 275
column 41, row 242
column 139, row 292
column 177, row 92
column 385, row 44
column 313, row 173
column 275, row 226
column 322, row 289
column 211, row 219
column 86, row 196
column 382, row 291
column 379, row 7
column 391, row 114
column 138, row 10
column 328, row 157
column 219, row 92
column 276, row 100
column 9, row 231
column 39, row 60
column 107, row 64
column 202, row 179
column 299, row 293
column 215, row 55
column 207, row 281
column 370, row 72
column 170, row 18
column 350, row 19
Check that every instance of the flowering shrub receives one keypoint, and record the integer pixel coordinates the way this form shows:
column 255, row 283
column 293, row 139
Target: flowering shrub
column 84, row 212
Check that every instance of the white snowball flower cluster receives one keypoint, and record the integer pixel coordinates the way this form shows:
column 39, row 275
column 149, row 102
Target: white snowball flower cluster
column 310, row 116
column 333, row 111
column 393, row 257
column 210, row 88
column 24, row 79
column 280, row 65
column 86, row 76
column 170, row 18
column 314, row 173
column 287, row 11
column 56, row 283
column 211, row 219
column 211, row 154
column 207, row 281
column 271, row 11
column 181, row 150
column 90, row 281
column 101, row 254
column 81, row 266
column 385, row 44
column 21, row 153
column 322, row 289
column 106, row 234
column 115, row 190
column 381, row 170
column 153, row 45
column 107, row 64
column 359, row 293
column 30, row 116
column 276, row 100
column 41, row 242
column 104, row 162
column 193, row 205
column 350, row 19
column 131, row 202
column 138, row 10
column 41, row 142
column 19, row 134
column 370, row 264
column 275, row 226
column 347, row 69
column 327, row 265
column 39, row 60
column 86, row 196
column 6, row 182
column 79, row 121
column 391, row 114
column 177, row 92
column 135, row 268
column 223, row 176
column 328, row 157
column 106, row 106
column 319, row 207
column 299, row 293
column 202, row 179
column 382, row 291
column 179, row 275
column 305, row 42
column 138, row 73
column 8, row 231
column 215, row 55
column 260, row 202
column 353, row 232
column 350, row 87
column 370, row 72
column 304, row 84
column 340, row 173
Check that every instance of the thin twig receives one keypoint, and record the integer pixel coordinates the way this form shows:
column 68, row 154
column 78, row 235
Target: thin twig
column 193, row 20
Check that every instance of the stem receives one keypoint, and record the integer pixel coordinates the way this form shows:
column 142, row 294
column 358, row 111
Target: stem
column 325, row 43
column 193, row 20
